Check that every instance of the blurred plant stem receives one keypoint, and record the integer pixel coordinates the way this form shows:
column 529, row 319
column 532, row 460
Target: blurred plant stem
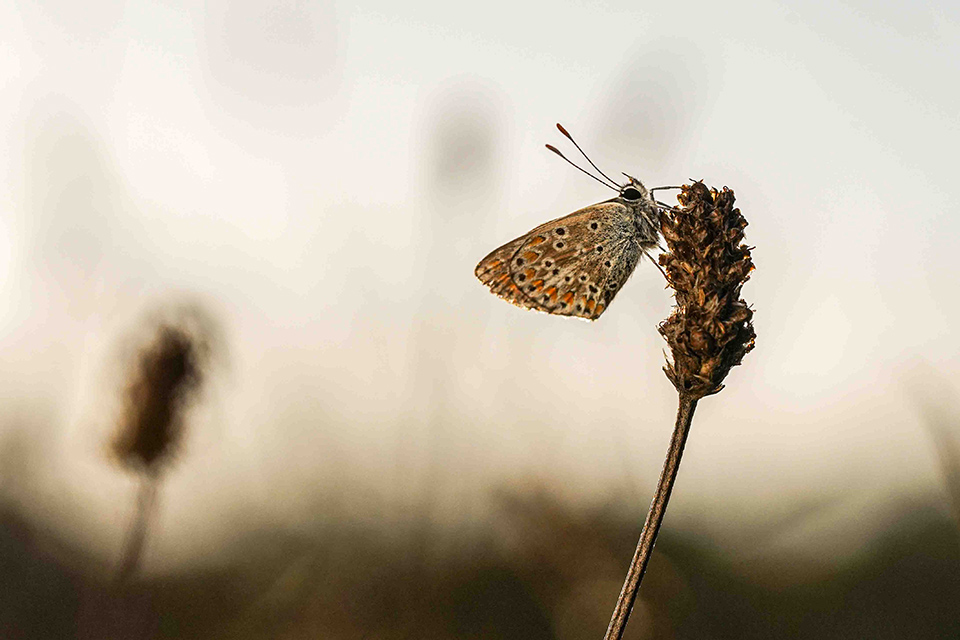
column 137, row 534
column 651, row 527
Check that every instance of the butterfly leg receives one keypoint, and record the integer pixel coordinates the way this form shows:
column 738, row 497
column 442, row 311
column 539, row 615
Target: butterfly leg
column 662, row 189
column 655, row 263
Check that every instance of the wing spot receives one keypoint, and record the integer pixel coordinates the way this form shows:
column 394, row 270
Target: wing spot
column 519, row 262
column 559, row 245
column 599, row 248
column 521, row 277
column 568, row 278
column 561, row 231
column 583, row 277
column 593, row 225
column 607, row 263
column 556, row 272
column 579, row 307
column 593, row 289
column 548, row 263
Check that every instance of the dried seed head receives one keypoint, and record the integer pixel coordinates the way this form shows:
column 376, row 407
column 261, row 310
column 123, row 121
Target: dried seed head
column 710, row 329
column 167, row 373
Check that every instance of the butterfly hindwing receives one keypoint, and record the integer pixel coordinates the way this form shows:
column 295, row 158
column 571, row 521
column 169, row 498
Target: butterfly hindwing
column 571, row 266
column 494, row 271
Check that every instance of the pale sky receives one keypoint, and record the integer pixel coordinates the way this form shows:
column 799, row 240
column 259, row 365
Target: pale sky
column 323, row 179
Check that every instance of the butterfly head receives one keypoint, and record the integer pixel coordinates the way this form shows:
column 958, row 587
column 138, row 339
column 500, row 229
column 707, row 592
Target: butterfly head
column 633, row 191
column 636, row 197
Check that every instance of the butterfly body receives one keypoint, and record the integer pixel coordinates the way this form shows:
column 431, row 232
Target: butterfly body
column 575, row 265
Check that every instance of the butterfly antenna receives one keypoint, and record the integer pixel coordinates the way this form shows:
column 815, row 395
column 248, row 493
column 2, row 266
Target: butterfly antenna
column 557, row 151
column 570, row 138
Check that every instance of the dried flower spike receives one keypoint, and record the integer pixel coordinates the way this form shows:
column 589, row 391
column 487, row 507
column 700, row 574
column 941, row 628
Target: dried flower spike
column 710, row 329
column 166, row 375
column 709, row 332
column 168, row 372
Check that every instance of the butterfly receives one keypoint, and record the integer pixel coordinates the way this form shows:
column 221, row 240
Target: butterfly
column 575, row 265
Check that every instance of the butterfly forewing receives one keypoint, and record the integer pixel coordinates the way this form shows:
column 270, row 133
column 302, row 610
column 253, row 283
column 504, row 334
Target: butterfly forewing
column 571, row 266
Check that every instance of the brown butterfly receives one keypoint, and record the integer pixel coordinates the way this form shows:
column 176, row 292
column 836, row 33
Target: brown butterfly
column 575, row 265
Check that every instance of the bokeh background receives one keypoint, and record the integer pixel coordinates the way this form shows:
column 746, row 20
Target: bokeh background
column 381, row 449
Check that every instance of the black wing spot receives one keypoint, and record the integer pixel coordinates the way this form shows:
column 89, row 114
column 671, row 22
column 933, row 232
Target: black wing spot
column 559, row 245
column 556, row 272
column 593, row 289
column 607, row 263
column 561, row 231
column 599, row 248
column 521, row 277
column 548, row 263
column 583, row 277
column 594, row 226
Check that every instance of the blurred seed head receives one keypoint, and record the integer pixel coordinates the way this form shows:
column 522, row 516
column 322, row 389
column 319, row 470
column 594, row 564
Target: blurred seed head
column 464, row 130
column 710, row 329
column 654, row 100
column 165, row 375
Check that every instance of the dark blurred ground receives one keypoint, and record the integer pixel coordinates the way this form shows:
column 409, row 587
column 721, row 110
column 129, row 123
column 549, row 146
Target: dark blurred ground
column 547, row 570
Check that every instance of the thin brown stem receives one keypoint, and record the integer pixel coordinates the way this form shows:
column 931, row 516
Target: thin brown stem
column 136, row 537
column 648, row 537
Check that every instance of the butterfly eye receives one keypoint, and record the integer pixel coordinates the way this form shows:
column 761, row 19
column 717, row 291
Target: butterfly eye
column 630, row 194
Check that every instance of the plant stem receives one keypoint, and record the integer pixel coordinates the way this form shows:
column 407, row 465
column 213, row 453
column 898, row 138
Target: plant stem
column 133, row 547
column 651, row 527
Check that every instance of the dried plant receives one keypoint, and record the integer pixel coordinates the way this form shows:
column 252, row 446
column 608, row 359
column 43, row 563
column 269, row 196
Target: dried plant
column 167, row 374
column 710, row 329
column 709, row 332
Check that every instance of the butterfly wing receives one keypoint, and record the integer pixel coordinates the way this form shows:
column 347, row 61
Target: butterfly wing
column 494, row 271
column 571, row 266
